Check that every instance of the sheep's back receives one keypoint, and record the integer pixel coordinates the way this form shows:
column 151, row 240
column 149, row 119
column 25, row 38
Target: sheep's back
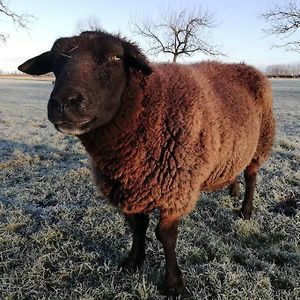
column 217, row 109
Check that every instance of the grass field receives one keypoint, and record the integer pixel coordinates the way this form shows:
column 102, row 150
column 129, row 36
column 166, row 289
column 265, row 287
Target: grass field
column 59, row 240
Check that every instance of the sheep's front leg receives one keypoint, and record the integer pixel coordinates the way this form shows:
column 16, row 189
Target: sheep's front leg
column 166, row 233
column 138, row 224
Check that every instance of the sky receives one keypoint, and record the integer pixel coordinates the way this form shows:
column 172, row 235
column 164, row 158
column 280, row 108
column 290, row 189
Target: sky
column 238, row 32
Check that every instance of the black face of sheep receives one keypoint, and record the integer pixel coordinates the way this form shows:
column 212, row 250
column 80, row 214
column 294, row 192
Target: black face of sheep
column 90, row 72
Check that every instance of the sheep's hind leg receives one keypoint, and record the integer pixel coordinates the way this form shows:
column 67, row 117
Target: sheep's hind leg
column 250, row 175
column 234, row 189
column 166, row 233
column 138, row 224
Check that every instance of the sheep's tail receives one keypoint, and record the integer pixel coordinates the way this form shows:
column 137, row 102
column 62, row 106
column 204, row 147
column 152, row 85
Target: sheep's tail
column 267, row 129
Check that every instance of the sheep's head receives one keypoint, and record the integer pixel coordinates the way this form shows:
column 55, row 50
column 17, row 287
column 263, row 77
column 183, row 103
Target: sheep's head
column 91, row 73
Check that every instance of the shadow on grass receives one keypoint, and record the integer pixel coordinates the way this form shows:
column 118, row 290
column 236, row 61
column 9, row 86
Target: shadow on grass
column 37, row 178
column 252, row 244
column 290, row 206
column 8, row 147
column 22, row 162
column 43, row 151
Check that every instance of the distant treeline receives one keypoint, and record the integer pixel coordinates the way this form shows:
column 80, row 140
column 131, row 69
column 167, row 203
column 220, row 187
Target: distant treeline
column 288, row 71
column 21, row 74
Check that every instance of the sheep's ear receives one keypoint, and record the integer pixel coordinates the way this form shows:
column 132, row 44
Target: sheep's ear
column 134, row 58
column 38, row 65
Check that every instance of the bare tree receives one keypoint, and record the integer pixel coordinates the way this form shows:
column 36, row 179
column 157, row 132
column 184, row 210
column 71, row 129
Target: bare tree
column 178, row 33
column 283, row 70
column 285, row 22
column 89, row 23
column 19, row 20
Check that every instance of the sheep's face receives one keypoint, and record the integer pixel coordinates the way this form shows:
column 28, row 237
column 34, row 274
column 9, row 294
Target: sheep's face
column 91, row 73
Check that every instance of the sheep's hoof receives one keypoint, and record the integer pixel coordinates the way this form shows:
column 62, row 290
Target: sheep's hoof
column 174, row 285
column 245, row 214
column 132, row 265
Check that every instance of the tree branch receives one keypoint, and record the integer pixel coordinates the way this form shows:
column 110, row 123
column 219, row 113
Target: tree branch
column 284, row 22
column 19, row 20
column 178, row 33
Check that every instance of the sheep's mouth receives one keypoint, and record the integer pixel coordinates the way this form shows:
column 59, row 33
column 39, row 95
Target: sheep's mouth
column 76, row 128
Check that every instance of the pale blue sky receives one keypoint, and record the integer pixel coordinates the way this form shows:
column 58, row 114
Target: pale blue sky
column 239, row 32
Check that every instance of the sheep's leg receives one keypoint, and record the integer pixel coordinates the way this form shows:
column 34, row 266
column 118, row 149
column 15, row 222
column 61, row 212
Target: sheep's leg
column 250, row 175
column 166, row 233
column 234, row 189
column 139, row 224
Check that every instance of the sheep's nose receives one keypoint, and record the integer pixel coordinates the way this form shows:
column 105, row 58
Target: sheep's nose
column 56, row 105
column 55, row 111
column 63, row 108
column 74, row 99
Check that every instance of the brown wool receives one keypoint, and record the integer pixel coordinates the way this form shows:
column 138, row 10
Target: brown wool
column 183, row 129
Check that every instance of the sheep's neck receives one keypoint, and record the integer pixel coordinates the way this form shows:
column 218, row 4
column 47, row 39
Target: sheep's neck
column 110, row 141
column 126, row 150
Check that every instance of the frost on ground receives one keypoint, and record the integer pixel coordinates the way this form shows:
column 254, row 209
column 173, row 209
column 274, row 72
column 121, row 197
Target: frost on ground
column 60, row 240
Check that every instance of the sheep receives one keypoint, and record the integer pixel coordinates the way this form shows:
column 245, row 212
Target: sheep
column 158, row 134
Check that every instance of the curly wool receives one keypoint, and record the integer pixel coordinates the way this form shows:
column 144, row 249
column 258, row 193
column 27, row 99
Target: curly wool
column 183, row 129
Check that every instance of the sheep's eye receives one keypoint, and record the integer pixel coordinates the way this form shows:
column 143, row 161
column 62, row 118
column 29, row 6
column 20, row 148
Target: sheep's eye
column 115, row 58
column 68, row 54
